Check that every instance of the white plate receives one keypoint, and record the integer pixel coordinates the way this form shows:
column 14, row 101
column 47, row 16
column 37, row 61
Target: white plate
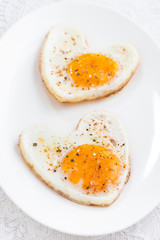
column 24, row 101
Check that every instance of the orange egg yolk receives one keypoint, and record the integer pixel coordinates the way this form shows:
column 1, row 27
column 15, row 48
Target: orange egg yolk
column 95, row 165
column 91, row 70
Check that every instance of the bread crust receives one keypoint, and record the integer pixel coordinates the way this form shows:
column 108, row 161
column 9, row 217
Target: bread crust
column 31, row 166
column 106, row 93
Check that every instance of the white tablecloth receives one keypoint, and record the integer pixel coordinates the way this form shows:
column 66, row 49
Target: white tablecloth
column 16, row 225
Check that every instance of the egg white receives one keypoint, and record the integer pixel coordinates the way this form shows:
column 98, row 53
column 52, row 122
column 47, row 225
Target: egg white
column 62, row 45
column 46, row 137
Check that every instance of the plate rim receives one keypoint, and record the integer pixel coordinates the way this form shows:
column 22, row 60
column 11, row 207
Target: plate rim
column 133, row 21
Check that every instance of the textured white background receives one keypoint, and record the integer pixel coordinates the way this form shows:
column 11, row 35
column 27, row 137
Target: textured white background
column 16, row 225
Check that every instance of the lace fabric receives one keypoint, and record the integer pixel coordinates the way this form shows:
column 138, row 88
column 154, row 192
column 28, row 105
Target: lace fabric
column 15, row 224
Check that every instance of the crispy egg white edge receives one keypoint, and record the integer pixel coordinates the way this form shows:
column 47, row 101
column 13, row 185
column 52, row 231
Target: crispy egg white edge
column 50, row 58
column 37, row 162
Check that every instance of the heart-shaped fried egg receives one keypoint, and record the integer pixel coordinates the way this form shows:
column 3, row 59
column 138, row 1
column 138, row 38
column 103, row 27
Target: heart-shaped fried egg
column 90, row 165
column 73, row 72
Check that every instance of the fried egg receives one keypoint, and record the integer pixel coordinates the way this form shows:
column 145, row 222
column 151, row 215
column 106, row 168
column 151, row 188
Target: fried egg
column 73, row 72
column 89, row 166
